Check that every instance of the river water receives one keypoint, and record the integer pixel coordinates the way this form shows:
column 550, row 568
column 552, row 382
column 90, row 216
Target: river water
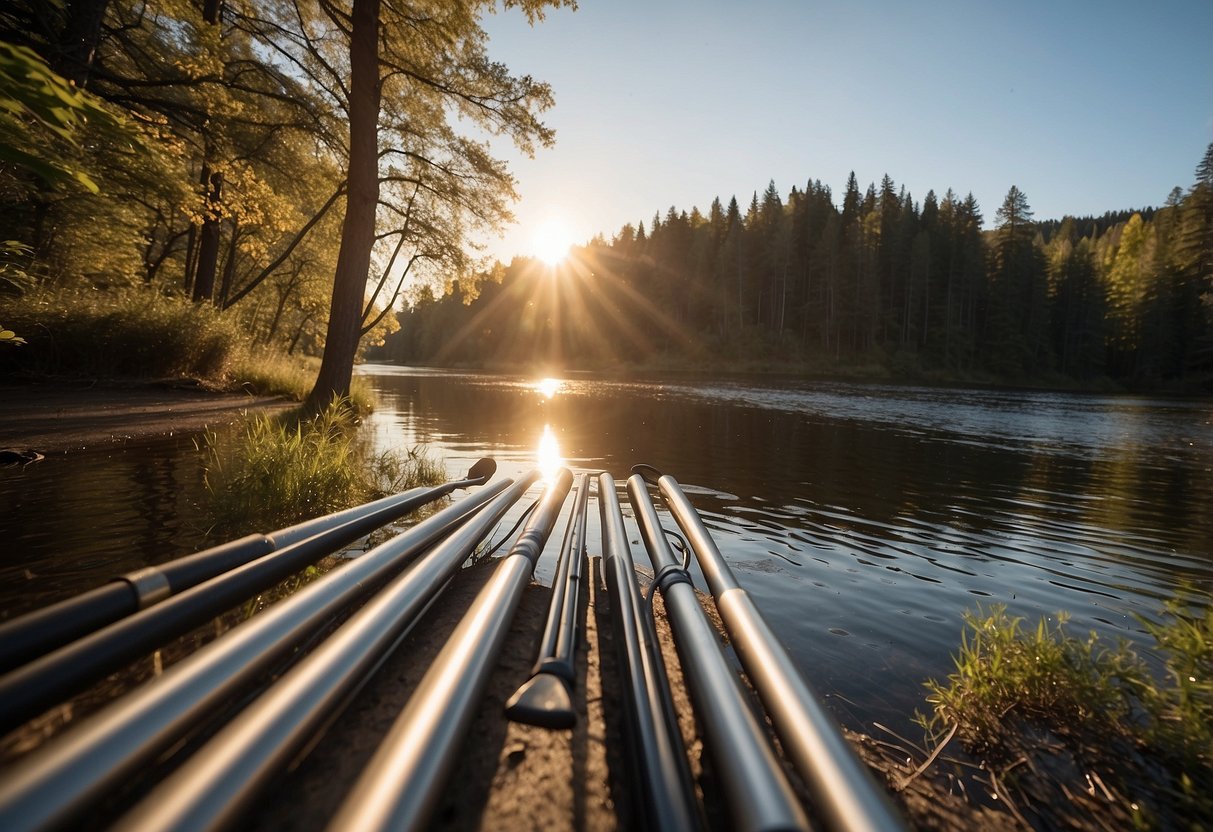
column 864, row 520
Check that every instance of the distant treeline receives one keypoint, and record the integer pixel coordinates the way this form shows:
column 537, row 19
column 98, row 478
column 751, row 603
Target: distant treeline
column 880, row 279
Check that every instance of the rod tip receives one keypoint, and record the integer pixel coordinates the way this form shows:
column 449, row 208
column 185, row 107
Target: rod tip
column 544, row 701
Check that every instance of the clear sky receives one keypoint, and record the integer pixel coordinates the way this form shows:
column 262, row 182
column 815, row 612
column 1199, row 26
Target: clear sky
column 1085, row 105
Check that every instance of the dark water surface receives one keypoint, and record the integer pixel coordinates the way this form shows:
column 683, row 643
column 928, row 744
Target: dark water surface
column 864, row 520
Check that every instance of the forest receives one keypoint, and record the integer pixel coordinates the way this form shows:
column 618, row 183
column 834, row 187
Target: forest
column 881, row 281
column 277, row 170
column 310, row 177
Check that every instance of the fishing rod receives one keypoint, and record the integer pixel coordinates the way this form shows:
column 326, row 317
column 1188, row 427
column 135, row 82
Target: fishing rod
column 31, row 689
column 37, row 633
column 57, row 782
column 546, row 699
column 401, row 784
column 659, row 770
column 219, row 781
column 840, row 785
column 757, row 792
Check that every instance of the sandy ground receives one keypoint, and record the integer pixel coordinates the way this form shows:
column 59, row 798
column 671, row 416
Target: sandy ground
column 59, row 418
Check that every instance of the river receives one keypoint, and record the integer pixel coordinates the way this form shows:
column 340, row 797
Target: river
column 863, row 519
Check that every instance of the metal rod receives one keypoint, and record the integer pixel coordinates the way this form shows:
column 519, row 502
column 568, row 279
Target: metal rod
column 561, row 659
column 219, row 781
column 757, row 792
column 660, row 774
column 839, row 782
column 57, row 782
column 31, row 689
column 546, row 698
column 553, row 629
column 402, row 783
column 26, row 638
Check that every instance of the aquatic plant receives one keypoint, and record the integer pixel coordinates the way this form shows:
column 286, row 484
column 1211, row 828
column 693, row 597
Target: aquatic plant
column 282, row 469
column 1075, row 726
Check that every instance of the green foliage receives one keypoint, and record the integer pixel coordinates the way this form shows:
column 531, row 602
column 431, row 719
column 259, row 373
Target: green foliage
column 14, row 279
column 283, row 470
column 137, row 333
column 37, row 104
column 1041, row 673
column 805, row 282
column 1147, row 738
column 140, row 333
column 1182, row 708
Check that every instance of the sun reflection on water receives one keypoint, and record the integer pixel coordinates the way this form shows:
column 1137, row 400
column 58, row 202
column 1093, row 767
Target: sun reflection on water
column 548, row 387
column 550, row 461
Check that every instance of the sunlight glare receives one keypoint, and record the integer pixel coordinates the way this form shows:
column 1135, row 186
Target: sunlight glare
column 552, row 240
column 550, row 461
column 548, row 387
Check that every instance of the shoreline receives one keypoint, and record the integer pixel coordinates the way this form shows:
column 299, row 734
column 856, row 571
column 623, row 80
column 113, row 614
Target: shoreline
column 807, row 372
column 59, row 417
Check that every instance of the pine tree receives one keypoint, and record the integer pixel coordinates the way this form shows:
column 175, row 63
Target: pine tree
column 1017, row 321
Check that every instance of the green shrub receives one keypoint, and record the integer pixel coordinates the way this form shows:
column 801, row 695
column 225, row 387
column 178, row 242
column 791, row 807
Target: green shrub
column 281, row 470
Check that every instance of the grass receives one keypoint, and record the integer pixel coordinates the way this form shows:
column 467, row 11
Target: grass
column 1080, row 729
column 129, row 334
column 274, row 374
column 141, row 333
column 281, row 470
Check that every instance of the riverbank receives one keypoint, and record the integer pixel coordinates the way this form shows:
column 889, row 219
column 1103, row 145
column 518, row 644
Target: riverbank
column 874, row 372
column 60, row 417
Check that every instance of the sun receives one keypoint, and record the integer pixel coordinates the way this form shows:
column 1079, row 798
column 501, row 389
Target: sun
column 551, row 240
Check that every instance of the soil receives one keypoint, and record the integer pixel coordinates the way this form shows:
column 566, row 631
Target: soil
column 62, row 417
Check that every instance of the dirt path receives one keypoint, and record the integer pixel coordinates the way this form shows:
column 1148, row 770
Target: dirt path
column 58, row 418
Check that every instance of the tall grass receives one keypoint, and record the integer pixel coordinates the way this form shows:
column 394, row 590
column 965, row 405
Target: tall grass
column 141, row 333
column 279, row 470
column 132, row 333
column 1020, row 695
column 264, row 372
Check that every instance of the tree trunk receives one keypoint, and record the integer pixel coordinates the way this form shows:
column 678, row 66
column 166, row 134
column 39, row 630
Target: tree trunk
column 358, row 230
column 290, row 350
column 79, row 39
column 229, row 267
column 191, row 256
column 212, row 183
column 208, row 239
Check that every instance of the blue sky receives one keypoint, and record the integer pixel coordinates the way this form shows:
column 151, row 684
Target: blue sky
column 1085, row 106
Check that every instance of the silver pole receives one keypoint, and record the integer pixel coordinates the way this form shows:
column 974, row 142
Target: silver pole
column 36, row 634
column 757, row 792
column 221, row 779
column 659, row 772
column 402, row 782
column 58, row 781
column 546, row 699
column 841, row 786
